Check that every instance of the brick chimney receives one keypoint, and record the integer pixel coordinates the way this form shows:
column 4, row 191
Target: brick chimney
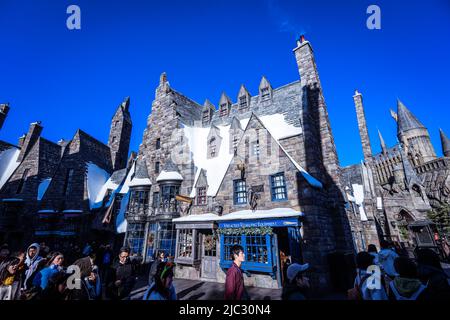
column 32, row 136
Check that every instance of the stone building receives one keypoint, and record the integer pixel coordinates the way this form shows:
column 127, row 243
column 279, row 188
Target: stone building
column 53, row 192
column 262, row 172
column 392, row 191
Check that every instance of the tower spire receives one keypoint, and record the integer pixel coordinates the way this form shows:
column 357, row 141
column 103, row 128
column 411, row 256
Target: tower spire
column 383, row 144
column 445, row 144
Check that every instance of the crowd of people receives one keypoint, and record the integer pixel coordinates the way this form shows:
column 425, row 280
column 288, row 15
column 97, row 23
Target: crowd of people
column 97, row 273
column 399, row 277
column 93, row 273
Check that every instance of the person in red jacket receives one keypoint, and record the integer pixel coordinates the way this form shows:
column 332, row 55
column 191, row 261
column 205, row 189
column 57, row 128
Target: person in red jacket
column 234, row 282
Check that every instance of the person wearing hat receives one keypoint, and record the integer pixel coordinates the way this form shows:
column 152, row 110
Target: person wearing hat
column 297, row 286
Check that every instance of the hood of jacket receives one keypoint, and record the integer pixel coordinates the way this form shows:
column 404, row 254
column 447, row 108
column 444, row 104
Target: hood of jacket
column 28, row 260
column 406, row 286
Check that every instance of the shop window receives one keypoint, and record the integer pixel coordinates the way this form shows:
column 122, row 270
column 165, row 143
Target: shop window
column 228, row 242
column 201, row 196
column 135, row 237
column 278, row 187
column 155, row 199
column 240, row 192
column 166, row 238
column 256, row 249
column 185, row 243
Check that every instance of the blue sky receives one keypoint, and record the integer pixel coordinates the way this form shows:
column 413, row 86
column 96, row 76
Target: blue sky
column 76, row 79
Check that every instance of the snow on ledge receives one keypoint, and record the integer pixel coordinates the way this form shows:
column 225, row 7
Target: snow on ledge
column 242, row 215
column 169, row 175
column 140, row 182
column 96, row 180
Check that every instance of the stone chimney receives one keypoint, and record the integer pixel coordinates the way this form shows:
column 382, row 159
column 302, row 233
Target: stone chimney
column 32, row 136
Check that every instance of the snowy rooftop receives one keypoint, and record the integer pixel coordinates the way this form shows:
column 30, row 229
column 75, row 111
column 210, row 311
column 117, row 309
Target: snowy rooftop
column 140, row 182
column 242, row 215
column 216, row 167
column 169, row 175
column 8, row 164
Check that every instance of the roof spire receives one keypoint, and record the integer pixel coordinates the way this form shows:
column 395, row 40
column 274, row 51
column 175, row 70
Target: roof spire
column 383, row 144
column 445, row 143
column 406, row 120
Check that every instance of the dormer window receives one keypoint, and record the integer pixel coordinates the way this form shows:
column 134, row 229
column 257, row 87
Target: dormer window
column 243, row 102
column 205, row 119
column 265, row 94
column 223, row 110
column 212, row 147
column 201, row 196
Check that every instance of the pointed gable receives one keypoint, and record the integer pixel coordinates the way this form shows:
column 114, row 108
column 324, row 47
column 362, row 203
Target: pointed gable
column 224, row 105
column 243, row 98
column 265, row 89
column 207, row 112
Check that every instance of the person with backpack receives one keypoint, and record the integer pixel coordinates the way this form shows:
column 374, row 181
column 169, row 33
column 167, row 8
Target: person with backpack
column 431, row 273
column 162, row 286
column 386, row 258
column 406, row 286
column 364, row 286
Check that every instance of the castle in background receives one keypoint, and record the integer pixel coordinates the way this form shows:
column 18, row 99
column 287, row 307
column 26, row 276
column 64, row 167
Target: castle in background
column 262, row 172
column 394, row 190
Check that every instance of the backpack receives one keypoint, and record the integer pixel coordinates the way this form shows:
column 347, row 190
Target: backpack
column 400, row 297
column 355, row 292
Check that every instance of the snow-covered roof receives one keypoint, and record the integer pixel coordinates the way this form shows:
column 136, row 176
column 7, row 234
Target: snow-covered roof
column 8, row 164
column 169, row 175
column 242, row 215
column 140, row 182
column 121, row 222
column 97, row 185
column 216, row 167
column 126, row 185
column 42, row 188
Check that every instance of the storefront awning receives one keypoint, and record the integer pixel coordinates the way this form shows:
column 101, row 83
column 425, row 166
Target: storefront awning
column 248, row 216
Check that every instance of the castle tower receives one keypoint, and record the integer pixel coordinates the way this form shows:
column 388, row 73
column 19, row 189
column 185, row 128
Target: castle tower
column 317, row 108
column 120, row 135
column 362, row 126
column 445, row 144
column 413, row 134
column 4, row 109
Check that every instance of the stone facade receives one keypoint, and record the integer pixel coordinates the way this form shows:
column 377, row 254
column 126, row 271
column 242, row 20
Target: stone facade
column 45, row 193
column 280, row 134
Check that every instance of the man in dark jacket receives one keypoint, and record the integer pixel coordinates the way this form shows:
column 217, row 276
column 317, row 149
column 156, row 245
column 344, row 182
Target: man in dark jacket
column 234, row 282
column 160, row 258
column 124, row 276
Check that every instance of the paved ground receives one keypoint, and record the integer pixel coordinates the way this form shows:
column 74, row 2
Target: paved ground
column 204, row 290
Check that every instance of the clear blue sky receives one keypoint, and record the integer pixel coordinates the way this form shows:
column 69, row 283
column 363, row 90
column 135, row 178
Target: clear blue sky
column 75, row 79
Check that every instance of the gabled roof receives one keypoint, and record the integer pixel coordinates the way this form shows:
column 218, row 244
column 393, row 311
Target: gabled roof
column 216, row 168
column 169, row 172
column 140, row 177
column 405, row 119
